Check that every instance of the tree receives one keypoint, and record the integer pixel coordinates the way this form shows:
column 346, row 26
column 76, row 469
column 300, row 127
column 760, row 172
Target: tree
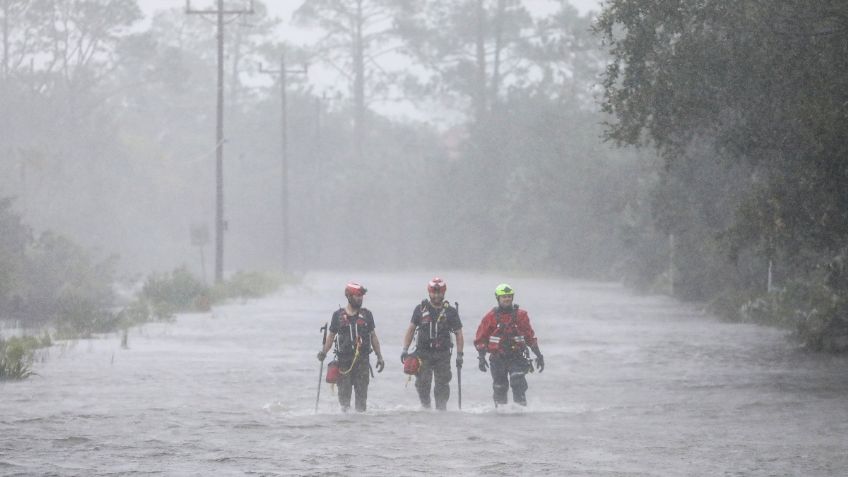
column 71, row 41
column 357, row 33
column 59, row 57
column 762, row 85
column 467, row 49
column 766, row 87
column 14, row 238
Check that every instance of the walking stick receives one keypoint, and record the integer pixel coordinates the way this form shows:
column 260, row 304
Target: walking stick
column 321, row 371
column 458, row 370
column 459, row 385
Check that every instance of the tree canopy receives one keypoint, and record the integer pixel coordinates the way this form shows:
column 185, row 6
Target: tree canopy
column 747, row 97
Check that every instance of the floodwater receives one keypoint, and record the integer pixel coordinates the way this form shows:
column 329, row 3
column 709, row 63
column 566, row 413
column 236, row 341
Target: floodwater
column 634, row 386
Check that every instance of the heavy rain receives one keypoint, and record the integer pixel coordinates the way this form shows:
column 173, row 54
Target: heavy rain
column 423, row 237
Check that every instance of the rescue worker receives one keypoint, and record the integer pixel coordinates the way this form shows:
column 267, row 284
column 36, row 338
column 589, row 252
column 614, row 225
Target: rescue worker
column 352, row 332
column 505, row 333
column 434, row 320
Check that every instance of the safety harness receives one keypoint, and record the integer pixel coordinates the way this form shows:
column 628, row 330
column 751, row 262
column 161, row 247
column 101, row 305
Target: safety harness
column 432, row 339
column 355, row 358
column 350, row 339
column 507, row 338
column 356, row 334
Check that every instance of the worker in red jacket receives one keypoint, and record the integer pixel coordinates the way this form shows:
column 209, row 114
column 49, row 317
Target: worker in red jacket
column 505, row 333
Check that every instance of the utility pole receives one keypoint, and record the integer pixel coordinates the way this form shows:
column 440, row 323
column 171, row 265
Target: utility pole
column 284, row 157
column 220, row 224
column 317, row 193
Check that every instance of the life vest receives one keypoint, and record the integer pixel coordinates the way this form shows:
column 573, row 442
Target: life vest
column 354, row 333
column 433, row 331
column 506, row 338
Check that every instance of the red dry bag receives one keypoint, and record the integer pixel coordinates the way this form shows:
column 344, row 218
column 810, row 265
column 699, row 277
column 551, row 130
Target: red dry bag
column 411, row 365
column 332, row 372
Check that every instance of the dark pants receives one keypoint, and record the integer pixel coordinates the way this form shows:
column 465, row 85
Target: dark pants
column 434, row 365
column 509, row 371
column 354, row 381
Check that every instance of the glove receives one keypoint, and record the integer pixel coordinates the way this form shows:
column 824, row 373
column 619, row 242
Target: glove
column 482, row 365
column 540, row 362
column 459, row 360
column 380, row 365
column 321, row 355
column 403, row 356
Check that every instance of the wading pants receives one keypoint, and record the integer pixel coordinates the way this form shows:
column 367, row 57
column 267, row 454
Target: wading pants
column 434, row 366
column 354, row 381
column 509, row 371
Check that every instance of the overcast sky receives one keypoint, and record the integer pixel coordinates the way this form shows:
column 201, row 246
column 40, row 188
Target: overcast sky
column 326, row 80
column 284, row 8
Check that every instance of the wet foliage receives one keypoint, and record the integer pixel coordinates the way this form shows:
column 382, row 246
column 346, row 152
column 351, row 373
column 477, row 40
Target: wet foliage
column 243, row 285
column 165, row 294
column 50, row 280
column 746, row 103
column 17, row 356
column 173, row 292
column 50, row 283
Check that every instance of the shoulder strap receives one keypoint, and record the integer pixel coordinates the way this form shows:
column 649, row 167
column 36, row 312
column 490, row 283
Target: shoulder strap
column 496, row 310
column 513, row 317
column 443, row 311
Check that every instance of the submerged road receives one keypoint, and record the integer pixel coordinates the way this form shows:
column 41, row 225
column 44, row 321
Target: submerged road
column 633, row 386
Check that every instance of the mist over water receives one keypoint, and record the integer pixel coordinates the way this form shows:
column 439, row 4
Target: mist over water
column 634, row 385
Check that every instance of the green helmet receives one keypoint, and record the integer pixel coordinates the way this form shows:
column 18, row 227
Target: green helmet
column 504, row 289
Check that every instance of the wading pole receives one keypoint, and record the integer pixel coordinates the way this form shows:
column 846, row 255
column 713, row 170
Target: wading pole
column 458, row 371
column 321, row 371
column 459, row 385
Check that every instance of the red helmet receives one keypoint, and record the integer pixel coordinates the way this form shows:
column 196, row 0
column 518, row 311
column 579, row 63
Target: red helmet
column 332, row 372
column 437, row 284
column 353, row 288
column 411, row 365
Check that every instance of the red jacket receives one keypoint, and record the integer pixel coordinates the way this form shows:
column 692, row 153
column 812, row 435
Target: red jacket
column 498, row 333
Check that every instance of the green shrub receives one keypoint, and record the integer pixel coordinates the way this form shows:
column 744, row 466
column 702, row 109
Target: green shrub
column 179, row 291
column 727, row 304
column 247, row 285
column 169, row 293
column 17, row 356
column 810, row 307
column 64, row 286
column 136, row 313
column 81, row 317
